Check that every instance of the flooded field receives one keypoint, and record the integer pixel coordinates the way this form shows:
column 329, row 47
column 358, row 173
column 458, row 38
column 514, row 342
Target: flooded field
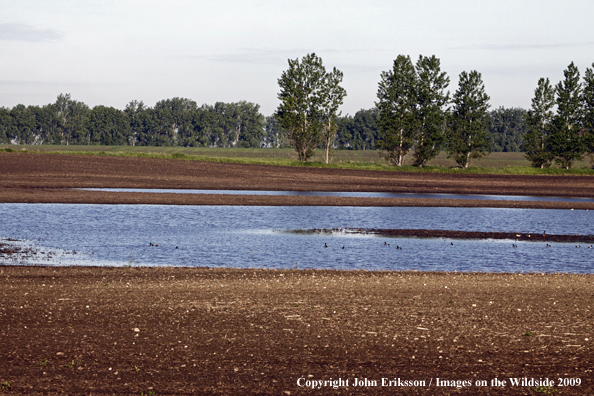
column 264, row 237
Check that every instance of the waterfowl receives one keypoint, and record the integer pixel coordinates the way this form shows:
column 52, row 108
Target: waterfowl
column 548, row 245
column 514, row 245
column 577, row 246
column 452, row 243
column 386, row 244
column 343, row 247
column 325, row 245
column 398, row 248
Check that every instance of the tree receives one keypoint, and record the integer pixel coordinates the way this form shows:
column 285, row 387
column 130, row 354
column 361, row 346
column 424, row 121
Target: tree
column 430, row 113
column 539, row 119
column 5, row 123
column 566, row 142
column 507, row 129
column 24, row 126
column 173, row 118
column 469, row 136
column 333, row 95
column 108, row 126
column 396, row 104
column 359, row 132
column 133, row 111
column 276, row 135
column 588, row 105
column 248, row 124
column 305, row 89
column 71, row 115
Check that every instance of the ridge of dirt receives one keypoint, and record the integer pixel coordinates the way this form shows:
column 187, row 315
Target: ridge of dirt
column 51, row 178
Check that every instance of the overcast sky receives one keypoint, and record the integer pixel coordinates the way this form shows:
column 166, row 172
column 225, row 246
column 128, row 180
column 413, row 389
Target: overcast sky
column 111, row 52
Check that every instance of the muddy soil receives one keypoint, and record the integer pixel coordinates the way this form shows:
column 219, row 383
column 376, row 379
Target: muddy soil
column 454, row 234
column 48, row 178
column 181, row 331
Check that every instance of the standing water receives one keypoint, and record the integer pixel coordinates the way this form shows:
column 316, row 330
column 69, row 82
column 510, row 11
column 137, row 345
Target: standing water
column 257, row 237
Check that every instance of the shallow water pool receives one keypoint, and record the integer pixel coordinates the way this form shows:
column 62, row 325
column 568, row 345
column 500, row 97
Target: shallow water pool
column 254, row 236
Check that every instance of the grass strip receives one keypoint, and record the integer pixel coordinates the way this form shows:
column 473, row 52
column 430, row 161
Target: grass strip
column 340, row 164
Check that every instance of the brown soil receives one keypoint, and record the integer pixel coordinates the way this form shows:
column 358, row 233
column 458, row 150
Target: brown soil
column 48, row 178
column 180, row 331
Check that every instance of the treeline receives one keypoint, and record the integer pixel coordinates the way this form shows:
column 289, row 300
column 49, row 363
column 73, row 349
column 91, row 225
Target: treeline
column 564, row 135
column 507, row 128
column 180, row 122
column 171, row 122
column 414, row 113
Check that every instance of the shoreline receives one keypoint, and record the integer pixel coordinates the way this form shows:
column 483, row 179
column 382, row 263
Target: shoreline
column 71, row 196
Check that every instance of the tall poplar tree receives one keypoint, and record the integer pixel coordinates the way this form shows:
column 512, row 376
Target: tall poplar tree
column 539, row 119
column 588, row 103
column 333, row 95
column 431, row 98
column 566, row 142
column 71, row 115
column 396, row 105
column 469, row 136
column 309, row 98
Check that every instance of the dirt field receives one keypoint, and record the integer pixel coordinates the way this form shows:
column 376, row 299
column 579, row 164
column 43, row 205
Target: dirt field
column 181, row 331
column 47, row 178
column 129, row 331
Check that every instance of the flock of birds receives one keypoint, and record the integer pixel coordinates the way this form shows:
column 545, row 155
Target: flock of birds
column 451, row 243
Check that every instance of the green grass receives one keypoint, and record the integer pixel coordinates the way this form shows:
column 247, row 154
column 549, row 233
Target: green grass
column 495, row 163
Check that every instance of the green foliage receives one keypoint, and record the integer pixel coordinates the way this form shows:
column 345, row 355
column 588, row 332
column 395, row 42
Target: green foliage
column 172, row 122
column 5, row 124
column 107, row 126
column 545, row 389
column 310, row 98
column 588, row 113
column 276, row 135
column 507, row 129
column 333, row 95
column 73, row 364
column 396, row 105
column 566, row 142
column 430, row 114
column 71, row 116
column 539, row 119
column 468, row 136
column 359, row 132
column 411, row 110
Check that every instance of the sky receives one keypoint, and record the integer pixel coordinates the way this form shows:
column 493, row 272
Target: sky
column 112, row 52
